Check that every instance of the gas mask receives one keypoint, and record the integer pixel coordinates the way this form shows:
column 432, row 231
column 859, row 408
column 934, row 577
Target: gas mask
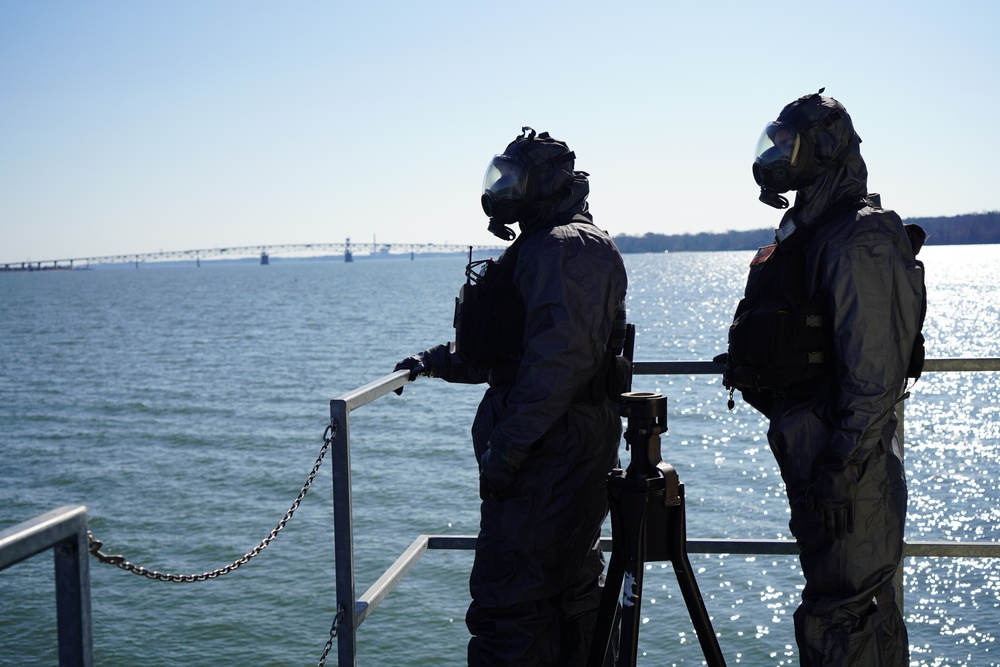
column 783, row 161
column 505, row 188
column 811, row 136
column 533, row 173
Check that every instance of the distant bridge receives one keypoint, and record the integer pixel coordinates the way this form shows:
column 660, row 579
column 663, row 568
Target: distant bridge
column 265, row 252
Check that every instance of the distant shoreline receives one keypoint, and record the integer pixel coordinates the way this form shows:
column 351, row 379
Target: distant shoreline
column 967, row 229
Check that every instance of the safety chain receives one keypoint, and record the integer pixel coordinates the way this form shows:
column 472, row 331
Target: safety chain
column 334, row 629
column 95, row 544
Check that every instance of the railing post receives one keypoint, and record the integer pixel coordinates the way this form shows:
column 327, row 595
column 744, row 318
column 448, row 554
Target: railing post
column 73, row 620
column 64, row 530
column 343, row 528
column 897, row 578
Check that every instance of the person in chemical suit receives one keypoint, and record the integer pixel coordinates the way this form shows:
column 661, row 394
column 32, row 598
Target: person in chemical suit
column 543, row 326
column 822, row 343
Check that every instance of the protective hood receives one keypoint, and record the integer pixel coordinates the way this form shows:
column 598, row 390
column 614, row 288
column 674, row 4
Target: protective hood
column 573, row 202
column 827, row 141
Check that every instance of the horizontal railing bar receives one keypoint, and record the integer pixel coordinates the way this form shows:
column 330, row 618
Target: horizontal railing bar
column 395, row 573
column 381, row 386
column 939, row 365
column 28, row 538
column 953, row 549
column 373, row 390
column 763, row 547
column 378, row 591
column 392, row 576
column 677, row 368
column 711, row 367
column 456, row 542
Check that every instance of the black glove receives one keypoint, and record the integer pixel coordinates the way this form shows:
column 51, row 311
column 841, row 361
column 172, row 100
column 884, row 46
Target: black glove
column 416, row 365
column 429, row 362
column 833, row 496
column 495, row 475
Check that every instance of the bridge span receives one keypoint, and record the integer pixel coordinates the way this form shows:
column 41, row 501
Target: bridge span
column 347, row 250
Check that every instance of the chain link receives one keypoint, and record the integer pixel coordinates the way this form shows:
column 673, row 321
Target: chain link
column 95, row 544
column 334, row 629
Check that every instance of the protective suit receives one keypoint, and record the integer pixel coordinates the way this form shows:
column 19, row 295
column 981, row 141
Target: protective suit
column 546, row 432
column 843, row 293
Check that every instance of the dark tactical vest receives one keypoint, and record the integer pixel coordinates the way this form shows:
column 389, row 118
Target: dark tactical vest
column 781, row 338
column 489, row 313
column 489, row 327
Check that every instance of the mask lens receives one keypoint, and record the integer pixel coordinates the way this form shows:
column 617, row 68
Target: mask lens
column 778, row 143
column 505, row 178
column 787, row 144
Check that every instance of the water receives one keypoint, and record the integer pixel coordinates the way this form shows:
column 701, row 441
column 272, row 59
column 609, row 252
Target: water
column 185, row 406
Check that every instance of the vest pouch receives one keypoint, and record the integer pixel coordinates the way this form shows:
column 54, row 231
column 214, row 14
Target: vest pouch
column 916, row 365
column 773, row 345
column 747, row 349
column 916, row 274
column 489, row 320
column 470, row 340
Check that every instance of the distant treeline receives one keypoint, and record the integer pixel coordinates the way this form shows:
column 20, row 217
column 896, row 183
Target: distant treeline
column 968, row 229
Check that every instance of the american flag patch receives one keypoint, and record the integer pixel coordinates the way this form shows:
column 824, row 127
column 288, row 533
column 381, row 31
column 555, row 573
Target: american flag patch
column 763, row 254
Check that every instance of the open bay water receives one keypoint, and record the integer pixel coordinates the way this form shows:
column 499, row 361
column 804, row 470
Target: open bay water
column 185, row 406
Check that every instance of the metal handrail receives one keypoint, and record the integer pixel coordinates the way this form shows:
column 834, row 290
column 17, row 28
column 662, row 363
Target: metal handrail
column 350, row 610
column 354, row 610
column 708, row 367
column 64, row 530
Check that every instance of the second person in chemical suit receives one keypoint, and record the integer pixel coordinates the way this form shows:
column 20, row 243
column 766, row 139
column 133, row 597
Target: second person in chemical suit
column 542, row 326
column 822, row 343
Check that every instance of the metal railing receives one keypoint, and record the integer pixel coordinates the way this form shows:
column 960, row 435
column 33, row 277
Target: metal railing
column 64, row 530
column 353, row 610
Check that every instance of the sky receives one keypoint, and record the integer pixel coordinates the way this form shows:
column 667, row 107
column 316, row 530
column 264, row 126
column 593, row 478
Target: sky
column 137, row 127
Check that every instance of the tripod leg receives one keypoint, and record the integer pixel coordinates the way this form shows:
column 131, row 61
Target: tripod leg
column 634, row 506
column 607, row 617
column 689, row 587
column 628, row 517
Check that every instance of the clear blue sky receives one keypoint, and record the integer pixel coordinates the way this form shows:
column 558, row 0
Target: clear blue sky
column 130, row 127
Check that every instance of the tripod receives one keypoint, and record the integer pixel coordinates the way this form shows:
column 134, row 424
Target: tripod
column 647, row 524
